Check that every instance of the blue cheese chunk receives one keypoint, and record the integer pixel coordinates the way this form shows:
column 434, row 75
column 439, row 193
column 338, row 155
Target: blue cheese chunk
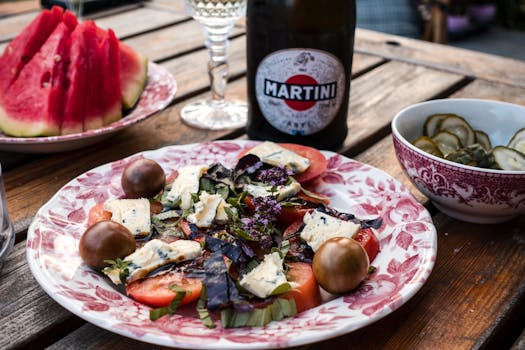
column 222, row 215
column 273, row 154
column 154, row 254
column 268, row 275
column 281, row 192
column 319, row 227
column 205, row 209
column 186, row 184
column 209, row 208
column 134, row 214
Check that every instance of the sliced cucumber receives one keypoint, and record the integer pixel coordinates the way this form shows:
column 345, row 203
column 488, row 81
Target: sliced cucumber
column 446, row 142
column 518, row 141
column 432, row 124
column 459, row 127
column 483, row 139
column 508, row 158
column 426, row 144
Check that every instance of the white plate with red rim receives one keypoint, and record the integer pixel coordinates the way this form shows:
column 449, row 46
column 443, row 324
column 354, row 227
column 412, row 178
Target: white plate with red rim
column 407, row 237
column 158, row 93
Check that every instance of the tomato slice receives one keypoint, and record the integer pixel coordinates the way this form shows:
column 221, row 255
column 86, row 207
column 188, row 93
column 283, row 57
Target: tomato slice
column 97, row 213
column 318, row 162
column 369, row 241
column 290, row 215
column 154, row 291
column 306, row 294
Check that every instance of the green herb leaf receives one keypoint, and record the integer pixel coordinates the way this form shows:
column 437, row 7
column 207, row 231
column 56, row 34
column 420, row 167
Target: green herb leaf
column 283, row 288
column 276, row 311
column 204, row 314
column 119, row 265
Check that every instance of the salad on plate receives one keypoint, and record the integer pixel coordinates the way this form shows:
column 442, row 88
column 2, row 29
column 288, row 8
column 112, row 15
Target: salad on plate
column 245, row 245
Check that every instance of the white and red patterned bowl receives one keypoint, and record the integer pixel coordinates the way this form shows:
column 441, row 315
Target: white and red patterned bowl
column 461, row 191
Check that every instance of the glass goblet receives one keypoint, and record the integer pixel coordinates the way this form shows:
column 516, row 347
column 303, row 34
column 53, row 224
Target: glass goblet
column 217, row 17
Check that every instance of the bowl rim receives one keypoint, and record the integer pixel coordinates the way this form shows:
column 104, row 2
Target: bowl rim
column 396, row 134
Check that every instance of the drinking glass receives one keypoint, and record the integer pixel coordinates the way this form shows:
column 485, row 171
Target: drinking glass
column 7, row 235
column 217, row 18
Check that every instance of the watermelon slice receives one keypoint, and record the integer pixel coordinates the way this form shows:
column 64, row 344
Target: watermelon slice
column 34, row 101
column 94, row 82
column 70, row 20
column 78, row 100
column 133, row 75
column 22, row 49
column 110, row 103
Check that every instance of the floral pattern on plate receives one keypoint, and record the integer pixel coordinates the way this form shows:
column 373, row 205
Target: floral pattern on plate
column 407, row 239
column 158, row 93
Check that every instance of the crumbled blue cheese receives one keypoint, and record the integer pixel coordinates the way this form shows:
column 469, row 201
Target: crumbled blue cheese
column 265, row 277
column 273, row 154
column 205, row 209
column 134, row 214
column 154, row 254
column 209, row 208
column 221, row 215
column 319, row 227
column 186, row 184
column 280, row 192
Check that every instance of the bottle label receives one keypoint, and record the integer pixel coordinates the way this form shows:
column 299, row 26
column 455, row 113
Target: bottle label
column 300, row 91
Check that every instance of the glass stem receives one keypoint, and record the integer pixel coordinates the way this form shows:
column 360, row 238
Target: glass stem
column 217, row 43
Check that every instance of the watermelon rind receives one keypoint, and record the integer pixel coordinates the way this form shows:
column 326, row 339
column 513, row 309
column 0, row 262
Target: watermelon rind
column 133, row 75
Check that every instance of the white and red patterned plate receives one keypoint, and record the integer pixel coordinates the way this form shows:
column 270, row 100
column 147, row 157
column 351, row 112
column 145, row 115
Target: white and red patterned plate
column 158, row 93
column 407, row 238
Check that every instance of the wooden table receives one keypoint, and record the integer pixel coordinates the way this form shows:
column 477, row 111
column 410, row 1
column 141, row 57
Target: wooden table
column 475, row 296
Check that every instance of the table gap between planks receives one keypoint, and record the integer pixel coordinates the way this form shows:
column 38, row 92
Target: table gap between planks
column 474, row 298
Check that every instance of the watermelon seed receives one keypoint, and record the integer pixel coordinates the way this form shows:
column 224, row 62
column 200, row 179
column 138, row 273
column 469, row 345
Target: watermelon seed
column 45, row 79
column 9, row 50
column 58, row 58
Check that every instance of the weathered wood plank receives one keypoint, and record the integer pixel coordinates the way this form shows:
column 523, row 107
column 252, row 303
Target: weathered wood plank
column 142, row 18
column 460, row 61
column 173, row 5
column 12, row 25
column 171, row 41
column 376, row 96
column 15, row 7
column 492, row 91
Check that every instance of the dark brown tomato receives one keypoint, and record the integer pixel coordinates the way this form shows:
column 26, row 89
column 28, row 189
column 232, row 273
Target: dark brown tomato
column 143, row 178
column 340, row 265
column 105, row 240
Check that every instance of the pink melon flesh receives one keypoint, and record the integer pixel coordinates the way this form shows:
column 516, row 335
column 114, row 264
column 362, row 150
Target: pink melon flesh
column 70, row 20
column 77, row 77
column 22, row 48
column 133, row 75
column 32, row 106
column 94, row 82
column 111, row 108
